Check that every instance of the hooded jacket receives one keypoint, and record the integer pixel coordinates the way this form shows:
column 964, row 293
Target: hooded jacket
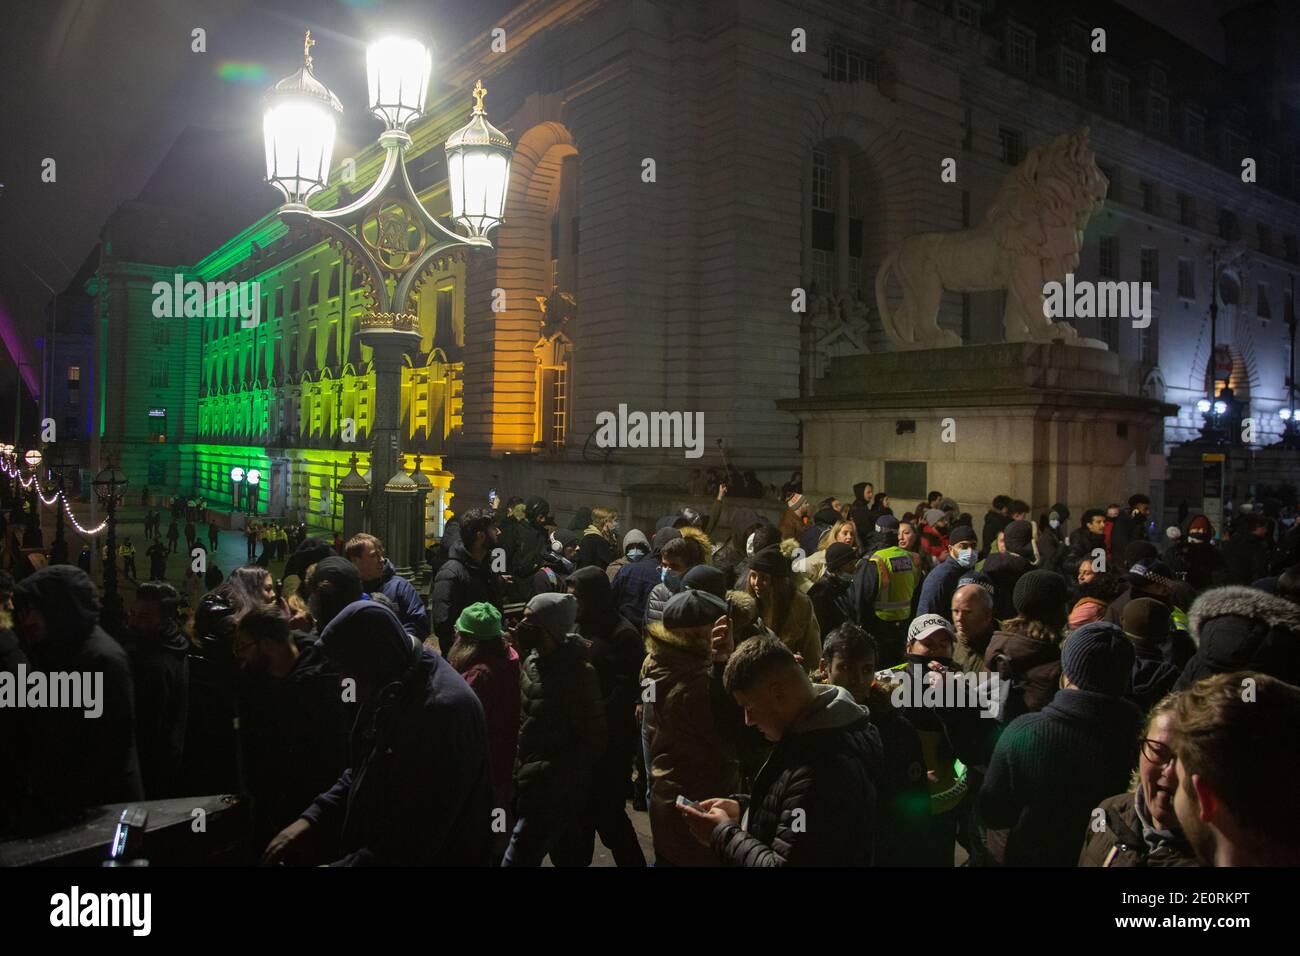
column 633, row 584
column 691, row 728
column 1031, row 664
column 460, row 582
column 1243, row 629
column 293, row 737
column 595, row 549
column 410, row 606
column 79, row 762
column 814, row 803
column 615, row 650
column 161, row 670
column 1130, row 839
column 495, row 681
column 417, row 789
column 562, row 731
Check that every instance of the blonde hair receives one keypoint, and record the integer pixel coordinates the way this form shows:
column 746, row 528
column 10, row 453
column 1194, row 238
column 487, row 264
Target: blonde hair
column 600, row 515
column 830, row 537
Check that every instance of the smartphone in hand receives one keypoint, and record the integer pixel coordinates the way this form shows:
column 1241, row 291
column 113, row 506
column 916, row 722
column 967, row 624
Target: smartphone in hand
column 683, row 802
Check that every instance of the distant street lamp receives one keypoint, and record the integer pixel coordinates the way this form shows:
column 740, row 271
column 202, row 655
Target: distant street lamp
column 390, row 237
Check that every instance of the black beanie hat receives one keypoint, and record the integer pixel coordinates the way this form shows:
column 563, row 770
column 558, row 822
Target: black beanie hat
column 964, row 533
column 705, row 577
column 1019, row 537
column 662, row 537
column 1098, row 657
column 771, row 561
column 1041, row 595
column 838, row 555
column 1140, row 552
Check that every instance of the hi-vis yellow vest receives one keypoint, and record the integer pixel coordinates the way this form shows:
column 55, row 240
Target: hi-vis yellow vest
column 897, row 582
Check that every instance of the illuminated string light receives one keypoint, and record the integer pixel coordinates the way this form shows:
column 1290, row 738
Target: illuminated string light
column 58, row 496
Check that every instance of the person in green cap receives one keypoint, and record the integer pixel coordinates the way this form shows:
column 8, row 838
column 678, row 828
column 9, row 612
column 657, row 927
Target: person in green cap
column 490, row 666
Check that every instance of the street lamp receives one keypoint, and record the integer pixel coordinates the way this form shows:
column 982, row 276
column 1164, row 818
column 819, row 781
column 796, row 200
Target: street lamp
column 109, row 487
column 254, row 479
column 387, row 232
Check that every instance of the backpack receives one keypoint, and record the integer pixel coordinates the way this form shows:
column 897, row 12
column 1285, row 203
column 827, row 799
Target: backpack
column 1013, row 675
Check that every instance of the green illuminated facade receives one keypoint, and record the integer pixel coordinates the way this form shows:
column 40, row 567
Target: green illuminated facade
column 188, row 398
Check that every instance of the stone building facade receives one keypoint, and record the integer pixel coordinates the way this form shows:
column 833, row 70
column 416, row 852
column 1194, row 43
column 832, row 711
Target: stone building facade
column 681, row 169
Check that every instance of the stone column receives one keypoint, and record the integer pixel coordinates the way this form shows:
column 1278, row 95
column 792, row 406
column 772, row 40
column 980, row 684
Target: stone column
column 354, row 490
column 399, row 510
column 391, row 336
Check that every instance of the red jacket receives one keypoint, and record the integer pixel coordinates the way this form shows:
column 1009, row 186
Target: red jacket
column 495, row 680
column 933, row 543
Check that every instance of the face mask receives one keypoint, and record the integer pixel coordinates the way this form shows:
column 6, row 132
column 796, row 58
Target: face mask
column 614, row 529
column 1053, row 524
column 671, row 578
column 966, row 557
column 1198, row 537
column 636, row 554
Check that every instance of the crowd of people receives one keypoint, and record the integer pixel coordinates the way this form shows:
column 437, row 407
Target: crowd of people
column 774, row 682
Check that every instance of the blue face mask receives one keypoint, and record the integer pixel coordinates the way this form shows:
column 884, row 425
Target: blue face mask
column 671, row 578
column 614, row 529
column 966, row 557
column 1054, row 524
column 636, row 554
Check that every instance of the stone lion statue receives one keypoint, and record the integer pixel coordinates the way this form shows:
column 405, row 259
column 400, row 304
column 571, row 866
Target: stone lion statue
column 1031, row 236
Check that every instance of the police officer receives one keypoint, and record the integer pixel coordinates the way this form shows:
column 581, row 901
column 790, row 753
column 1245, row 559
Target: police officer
column 884, row 591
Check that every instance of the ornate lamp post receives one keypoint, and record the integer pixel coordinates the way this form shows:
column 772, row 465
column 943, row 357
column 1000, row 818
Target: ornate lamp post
column 59, row 548
column 388, row 235
column 32, row 535
column 110, row 487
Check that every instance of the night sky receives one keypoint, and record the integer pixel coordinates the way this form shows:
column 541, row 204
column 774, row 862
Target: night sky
column 105, row 87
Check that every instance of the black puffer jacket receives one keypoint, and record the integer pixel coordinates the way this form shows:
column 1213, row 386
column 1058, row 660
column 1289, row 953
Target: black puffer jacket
column 79, row 762
column 1243, row 629
column 814, row 801
column 460, row 582
column 562, row 730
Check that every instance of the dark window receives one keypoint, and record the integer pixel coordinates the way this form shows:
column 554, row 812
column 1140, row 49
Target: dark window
column 1265, row 235
column 1151, row 267
column 1150, row 198
column 1012, row 144
column 1108, row 260
column 1186, row 278
column 1186, row 210
column 336, row 280
column 847, row 65
column 313, row 290
column 296, row 301
column 1229, row 229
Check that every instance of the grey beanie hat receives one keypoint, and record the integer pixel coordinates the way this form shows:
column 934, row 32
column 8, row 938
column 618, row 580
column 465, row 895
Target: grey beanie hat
column 555, row 613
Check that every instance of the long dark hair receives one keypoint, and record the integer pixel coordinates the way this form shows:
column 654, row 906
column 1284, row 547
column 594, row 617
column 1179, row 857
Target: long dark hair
column 467, row 652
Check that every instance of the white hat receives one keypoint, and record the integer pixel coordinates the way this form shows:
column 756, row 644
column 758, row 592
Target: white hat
column 926, row 625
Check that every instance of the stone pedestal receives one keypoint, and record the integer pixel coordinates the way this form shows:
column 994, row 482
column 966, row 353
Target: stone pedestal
column 399, row 499
column 354, row 490
column 1042, row 422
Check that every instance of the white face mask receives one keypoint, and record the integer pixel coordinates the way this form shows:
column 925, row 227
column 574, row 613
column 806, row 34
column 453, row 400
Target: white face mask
column 1054, row 524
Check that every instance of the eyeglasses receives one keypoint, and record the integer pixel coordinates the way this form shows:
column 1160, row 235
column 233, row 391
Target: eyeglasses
column 1157, row 751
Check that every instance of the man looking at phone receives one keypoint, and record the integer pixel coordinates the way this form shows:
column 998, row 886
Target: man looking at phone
column 814, row 801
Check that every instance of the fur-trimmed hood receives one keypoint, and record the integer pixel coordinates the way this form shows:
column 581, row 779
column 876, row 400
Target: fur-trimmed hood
column 1243, row 629
column 1243, row 602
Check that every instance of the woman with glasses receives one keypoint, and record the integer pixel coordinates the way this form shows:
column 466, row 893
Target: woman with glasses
column 1139, row 828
